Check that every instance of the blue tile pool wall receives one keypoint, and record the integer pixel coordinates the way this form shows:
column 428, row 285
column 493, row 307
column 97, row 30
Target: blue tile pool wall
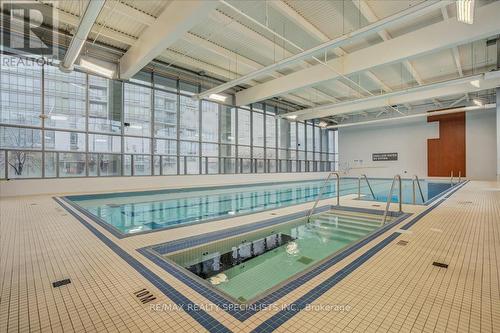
column 207, row 321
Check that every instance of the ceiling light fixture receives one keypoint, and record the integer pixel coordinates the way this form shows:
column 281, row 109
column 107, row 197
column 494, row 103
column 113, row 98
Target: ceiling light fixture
column 323, row 124
column 465, row 11
column 475, row 83
column 217, row 97
column 97, row 69
column 292, row 117
column 478, row 102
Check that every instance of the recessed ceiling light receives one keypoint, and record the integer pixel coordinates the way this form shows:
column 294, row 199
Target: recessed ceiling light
column 292, row 117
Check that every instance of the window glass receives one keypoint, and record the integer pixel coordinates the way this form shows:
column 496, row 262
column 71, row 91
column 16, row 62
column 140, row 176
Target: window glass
column 25, row 138
column 293, row 136
column 65, row 141
column 189, row 118
column 165, row 114
column 188, row 88
column 189, row 148
column 165, row 147
column 270, row 131
column 104, row 143
column 210, row 121
column 227, row 124
column 20, row 91
column 309, row 137
column 137, row 145
column 65, row 98
column 244, row 127
column 72, row 165
column 300, row 137
column 210, row 149
column 104, row 105
column 317, row 139
column 137, row 110
column 110, row 165
column 142, row 165
column 258, row 129
column 24, row 164
column 165, row 83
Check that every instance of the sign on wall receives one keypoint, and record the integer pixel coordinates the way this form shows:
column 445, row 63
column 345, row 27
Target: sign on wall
column 384, row 156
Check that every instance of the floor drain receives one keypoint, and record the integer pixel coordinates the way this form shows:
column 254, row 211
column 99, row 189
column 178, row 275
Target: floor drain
column 274, row 213
column 61, row 283
column 375, row 205
column 402, row 243
column 440, row 264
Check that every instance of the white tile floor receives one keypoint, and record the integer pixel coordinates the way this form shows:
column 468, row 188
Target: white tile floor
column 396, row 290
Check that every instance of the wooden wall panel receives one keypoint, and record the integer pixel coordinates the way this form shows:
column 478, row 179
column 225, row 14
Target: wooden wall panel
column 447, row 153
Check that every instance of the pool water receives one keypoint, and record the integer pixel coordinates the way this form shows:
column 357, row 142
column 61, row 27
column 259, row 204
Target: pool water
column 134, row 212
column 247, row 266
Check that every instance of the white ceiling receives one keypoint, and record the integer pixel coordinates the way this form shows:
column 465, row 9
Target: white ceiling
column 226, row 45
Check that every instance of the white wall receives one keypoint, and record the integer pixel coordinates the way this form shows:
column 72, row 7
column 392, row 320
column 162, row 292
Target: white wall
column 481, row 145
column 409, row 140
column 116, row 184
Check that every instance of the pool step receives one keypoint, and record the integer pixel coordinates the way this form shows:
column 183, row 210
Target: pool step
column 338, row 234
column 361, row 223
column 349, row 216
column 342, row 229
column 332, row 224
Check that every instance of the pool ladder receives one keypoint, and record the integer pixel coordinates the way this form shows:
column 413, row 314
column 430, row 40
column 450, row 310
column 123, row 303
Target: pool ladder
column 389, row 197
column 322, row 190
column 369, row 186
column 417, row 181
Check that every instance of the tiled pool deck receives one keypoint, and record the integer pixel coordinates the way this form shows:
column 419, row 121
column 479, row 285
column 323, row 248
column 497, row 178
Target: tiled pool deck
column 383, row 285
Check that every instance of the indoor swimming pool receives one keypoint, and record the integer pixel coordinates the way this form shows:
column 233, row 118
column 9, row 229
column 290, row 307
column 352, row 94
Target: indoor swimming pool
column 247, row 267
column 136, row 212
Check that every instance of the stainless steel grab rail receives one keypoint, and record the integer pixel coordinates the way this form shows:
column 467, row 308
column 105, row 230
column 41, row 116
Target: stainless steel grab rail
column 369, row 186
column 459, row 177
column 322, row 190
column 415, row 179
column 451, row 177
column 389, row 198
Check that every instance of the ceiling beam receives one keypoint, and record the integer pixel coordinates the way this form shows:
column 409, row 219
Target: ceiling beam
column 175, row 20
column 319, row 35
column 81, row 34
column 438, row 36
column 409, row 13
column 446, row 88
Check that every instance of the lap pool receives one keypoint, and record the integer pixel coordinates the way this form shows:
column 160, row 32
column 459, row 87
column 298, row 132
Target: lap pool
column 137, row 212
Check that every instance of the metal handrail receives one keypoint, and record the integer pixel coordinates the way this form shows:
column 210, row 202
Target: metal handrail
column 451, row 177
column 459, row 177
column 389, row 198
column 322, row 190
column 415, row 179
column 369, row 186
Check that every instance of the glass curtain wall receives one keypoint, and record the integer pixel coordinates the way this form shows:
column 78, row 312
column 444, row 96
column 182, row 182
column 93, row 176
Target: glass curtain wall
column 56, row 124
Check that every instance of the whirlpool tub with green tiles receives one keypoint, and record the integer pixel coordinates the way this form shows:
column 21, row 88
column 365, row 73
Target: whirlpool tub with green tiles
column 249, row 266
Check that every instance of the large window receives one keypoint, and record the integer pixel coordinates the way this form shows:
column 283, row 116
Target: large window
column 137, row 110
column 21, row 91
column 150, row 125
column 65, row 99
column 189, row 118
